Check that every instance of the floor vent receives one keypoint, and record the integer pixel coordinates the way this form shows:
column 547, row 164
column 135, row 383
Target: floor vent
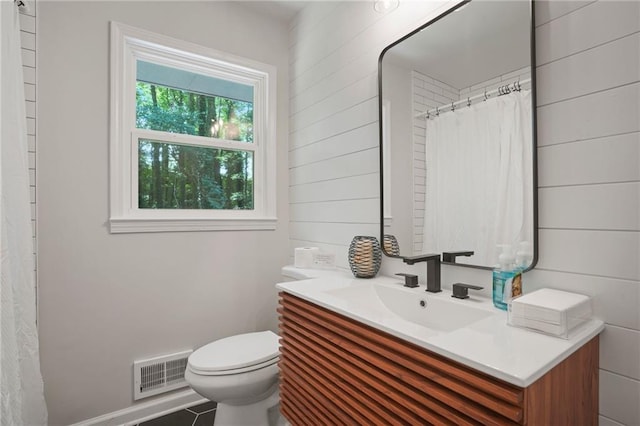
column 160, row 374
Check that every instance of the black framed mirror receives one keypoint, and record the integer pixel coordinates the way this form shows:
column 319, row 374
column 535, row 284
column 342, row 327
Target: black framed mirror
column 458, row 136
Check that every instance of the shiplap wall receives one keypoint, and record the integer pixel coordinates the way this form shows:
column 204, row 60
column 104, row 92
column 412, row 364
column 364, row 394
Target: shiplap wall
column 333, row 144
column 589, row 157
column 28, row 44
column 588, row 71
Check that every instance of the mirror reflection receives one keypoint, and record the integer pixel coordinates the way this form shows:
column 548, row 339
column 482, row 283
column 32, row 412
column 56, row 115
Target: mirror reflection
column 457, row 129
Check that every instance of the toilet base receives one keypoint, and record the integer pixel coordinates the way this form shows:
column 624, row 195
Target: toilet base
column 261, row 413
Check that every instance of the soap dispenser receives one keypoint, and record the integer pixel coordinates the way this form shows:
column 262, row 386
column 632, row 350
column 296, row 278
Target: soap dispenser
column 506, row 278
column 524, row 256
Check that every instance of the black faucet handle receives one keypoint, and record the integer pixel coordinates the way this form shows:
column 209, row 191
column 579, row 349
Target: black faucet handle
column 410, row 280
column 410, row 260
column 460, row 290
column 450, row 256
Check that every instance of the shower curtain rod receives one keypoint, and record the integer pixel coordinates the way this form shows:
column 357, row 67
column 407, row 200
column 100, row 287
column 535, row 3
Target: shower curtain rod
column 502, row 90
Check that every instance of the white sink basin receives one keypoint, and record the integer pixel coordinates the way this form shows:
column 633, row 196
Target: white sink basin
column 436, row 313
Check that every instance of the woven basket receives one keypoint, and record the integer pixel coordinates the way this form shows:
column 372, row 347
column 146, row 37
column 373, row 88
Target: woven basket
column 390, row 245
column 365, row 256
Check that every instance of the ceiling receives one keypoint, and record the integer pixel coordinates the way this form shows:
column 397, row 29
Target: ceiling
column 282, row 10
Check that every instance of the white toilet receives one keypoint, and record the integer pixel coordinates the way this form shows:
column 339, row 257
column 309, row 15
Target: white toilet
column 240, row 373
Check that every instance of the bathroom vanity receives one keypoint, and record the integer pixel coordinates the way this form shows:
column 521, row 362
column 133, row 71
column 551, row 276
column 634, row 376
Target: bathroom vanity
column 368, row 352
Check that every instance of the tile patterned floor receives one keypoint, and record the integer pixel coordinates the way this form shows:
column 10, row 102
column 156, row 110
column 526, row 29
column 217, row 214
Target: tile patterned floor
column 200, row 415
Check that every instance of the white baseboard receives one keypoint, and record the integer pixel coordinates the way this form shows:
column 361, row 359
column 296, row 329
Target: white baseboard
column 147, row 410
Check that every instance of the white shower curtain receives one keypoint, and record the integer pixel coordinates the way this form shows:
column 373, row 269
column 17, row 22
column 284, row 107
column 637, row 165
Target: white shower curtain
column 21, row 387
column 479, row 189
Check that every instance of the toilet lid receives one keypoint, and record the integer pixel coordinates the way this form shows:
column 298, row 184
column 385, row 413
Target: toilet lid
column 236, row 352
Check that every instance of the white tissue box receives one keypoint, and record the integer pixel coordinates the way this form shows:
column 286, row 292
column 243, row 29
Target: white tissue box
column 550, row 311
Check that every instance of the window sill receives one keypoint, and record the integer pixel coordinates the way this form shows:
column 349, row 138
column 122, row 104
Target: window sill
column 140, row 225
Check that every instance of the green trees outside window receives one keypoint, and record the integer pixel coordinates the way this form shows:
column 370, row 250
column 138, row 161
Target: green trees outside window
column 178, row 176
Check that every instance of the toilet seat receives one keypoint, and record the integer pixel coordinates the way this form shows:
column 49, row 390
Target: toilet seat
column 234, row 370
column 236, row 354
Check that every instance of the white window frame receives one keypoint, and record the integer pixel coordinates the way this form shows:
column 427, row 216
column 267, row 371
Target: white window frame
column 129, row 44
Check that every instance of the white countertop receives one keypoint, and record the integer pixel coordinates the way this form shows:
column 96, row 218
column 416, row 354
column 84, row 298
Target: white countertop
column 515, row 355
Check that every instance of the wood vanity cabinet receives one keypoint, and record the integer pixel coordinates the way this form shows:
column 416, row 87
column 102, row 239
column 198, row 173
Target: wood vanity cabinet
column 337, row 371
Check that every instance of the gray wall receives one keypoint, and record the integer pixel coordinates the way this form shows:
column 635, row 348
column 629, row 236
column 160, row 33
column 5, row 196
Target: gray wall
column 107, row 300
column 589, row 157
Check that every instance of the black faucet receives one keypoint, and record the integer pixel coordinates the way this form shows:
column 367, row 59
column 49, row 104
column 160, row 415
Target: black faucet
column 450, row 256
column 433, row 269
column 460, row 290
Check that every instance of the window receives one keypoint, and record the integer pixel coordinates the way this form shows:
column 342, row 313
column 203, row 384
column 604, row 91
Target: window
column 192, row 137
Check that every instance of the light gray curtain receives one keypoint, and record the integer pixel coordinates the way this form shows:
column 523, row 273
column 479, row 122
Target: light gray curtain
column 21, row 387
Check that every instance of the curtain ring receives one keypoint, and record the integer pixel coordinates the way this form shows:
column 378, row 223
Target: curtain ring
column 468, row 102
column 437, row 112
column 485, row 94
column 453, row 108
